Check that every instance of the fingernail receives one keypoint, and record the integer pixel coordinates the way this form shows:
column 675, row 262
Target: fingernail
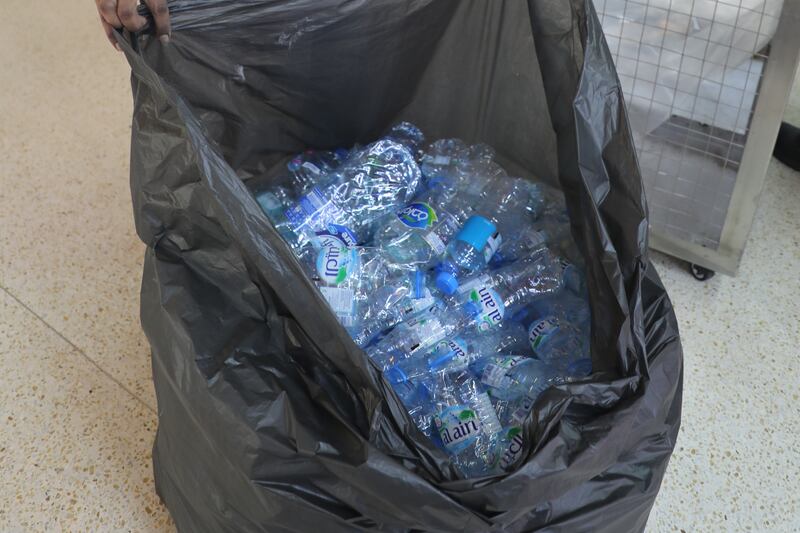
column 164, row 38
column 118, row 47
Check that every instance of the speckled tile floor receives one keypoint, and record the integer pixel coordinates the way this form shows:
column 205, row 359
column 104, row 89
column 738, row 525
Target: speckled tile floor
column 77, row 410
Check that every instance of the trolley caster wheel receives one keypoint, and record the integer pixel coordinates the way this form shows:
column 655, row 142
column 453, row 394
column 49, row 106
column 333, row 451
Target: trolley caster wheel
column 701, row 273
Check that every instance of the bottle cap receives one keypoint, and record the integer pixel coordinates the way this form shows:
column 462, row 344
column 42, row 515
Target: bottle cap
column 447, row 283
column 476, row 231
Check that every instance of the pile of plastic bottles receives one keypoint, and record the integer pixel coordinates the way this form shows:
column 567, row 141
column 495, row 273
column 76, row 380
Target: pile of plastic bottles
column 460, row 282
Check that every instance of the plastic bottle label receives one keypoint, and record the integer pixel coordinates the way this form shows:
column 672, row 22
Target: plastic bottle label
column 521, row 413
column 492, row 307
column 343, row 303
column 336, row 235
column 496, row 374
column 515, row 446
column 335, row 264
column 475, row 283
column 307, row 208
column 418, row 215
column 435, row 242
column 420, row 304
column 458, row 427
column 427, row 331
column 541, row 330
column 460, row 360
column 492, row 244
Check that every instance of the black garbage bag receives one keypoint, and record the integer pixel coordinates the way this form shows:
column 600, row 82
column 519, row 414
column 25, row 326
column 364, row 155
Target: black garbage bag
column 270, row 417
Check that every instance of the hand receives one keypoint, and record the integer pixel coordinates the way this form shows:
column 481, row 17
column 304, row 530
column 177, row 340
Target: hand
column 122, row 13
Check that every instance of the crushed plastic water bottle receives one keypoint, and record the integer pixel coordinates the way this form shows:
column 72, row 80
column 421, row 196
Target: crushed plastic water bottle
column 558, row 330
column 458, row 351
column 466, row 254
column 308, row 169
column 512, row 376
column 420, row 334
column 461, row 283
column 371, row 183
column 418, row 234
column 510, row 288
column 417, row 400
column 466, row 422
column 401, row 298
column 347, row 278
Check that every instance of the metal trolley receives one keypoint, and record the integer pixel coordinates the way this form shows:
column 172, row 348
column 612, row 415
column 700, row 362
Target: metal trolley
column 706, row 83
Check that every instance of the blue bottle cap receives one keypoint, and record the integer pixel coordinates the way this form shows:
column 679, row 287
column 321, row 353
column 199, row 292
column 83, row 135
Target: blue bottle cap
column 476, row 231
column 447, row 283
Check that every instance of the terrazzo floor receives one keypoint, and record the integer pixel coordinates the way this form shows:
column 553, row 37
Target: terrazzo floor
column 77, row 409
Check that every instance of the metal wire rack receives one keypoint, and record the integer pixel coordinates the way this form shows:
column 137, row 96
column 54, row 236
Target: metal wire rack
column 705, row 82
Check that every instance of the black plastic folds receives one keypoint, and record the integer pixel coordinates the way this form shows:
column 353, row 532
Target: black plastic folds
column 270, row 418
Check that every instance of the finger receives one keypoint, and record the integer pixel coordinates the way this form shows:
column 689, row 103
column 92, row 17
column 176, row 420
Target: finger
column 108, row 12
column 161, row 16
column 109, row 31
column 130, row 18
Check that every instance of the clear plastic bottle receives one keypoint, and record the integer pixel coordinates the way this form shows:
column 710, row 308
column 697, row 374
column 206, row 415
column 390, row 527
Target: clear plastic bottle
column 458, row 351
column 348, row 278
column 416, row 399
column 443, row 158
column 418, row 234
column 408, row 135
column 512, row 376
column 370, row 184
column 308, row 169
column 466, row 422
column 574, row 278
column 466, row 253
column 512, row 287
column 404, row 298
column 558, row 331
column 420, row 334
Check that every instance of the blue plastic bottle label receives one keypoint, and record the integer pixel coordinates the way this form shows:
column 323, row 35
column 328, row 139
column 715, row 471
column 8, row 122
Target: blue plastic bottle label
column 460, row 360
column 458, row 427
column 335, row 264
column 336, row 235
column 512, row 453
column 542, row 330
column 492, row 244
column 495, row 374
column 418, row 215
column 492, row 307
column 521, row 412
column 343, row 304
column 307, row 209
